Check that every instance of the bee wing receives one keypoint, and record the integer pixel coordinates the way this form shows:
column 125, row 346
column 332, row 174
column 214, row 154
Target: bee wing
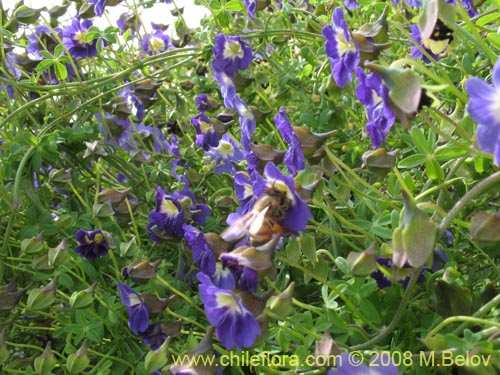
column 240, row 228
column 258, row 221
column 249, row 223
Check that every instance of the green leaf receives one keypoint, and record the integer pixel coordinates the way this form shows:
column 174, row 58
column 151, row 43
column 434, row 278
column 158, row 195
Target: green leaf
column 494, row 39
column 61, row 71
column 235, row 5
column 412, row 161
column 486, row 19
column 433, row 170
column 449, row 152
column 23, row 14
column 418, row 137
column 59, row 50
column 308, row 247
column 44, row 65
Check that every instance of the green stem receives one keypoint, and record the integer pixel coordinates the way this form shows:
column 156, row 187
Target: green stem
column 460, row 318
column 174, row 290
column 481, row 187
column 482, row 311
column 397, row 317
column 16, row 203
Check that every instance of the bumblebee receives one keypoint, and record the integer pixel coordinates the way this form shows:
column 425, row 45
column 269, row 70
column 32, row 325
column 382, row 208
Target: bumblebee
column 262, row 222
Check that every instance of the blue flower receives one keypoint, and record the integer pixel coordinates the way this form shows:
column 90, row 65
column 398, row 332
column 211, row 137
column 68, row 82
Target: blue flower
column 73, row 38
column 98, row 6
column 375, row 96
column 484, row 108
column 401, row 275
column 351, row 4
column 298, row 214
column 206, row 136
column 167, row 219
column 203, row 254
column 202, row 103
column 223, row 277
column 93, row 245
column 196, row 212
column 235, row 326
column 154, row 336
column 251, row 6
column 125, row 22
column 228, row 88
column 247, row 122
column 294, row 157
column 42, row 39
column 157, row 42
column 231, row 55
column 347, row 367
column 138, row 316
column 341, row 49
column 225, row 154
column 135, row 137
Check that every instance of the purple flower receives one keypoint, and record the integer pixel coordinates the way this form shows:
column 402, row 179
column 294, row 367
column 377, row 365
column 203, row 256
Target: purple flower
column 223, row 277
column 401, row 275
column 235, row 326
column 296, row 216
column 197, row 212
column 138, row 316
column 484, row 108
column 203, row 254
column 346, row 367
column 228, row 88
column 135, row 137
column 93, row 245
column 206, row 136
column 167, row 219
column 231, row 55
column 351, row 4
column 467, row 4
column 42, row 39
column 125, row 22
column 246, row 278
column 98, row 6
column 74, row 39
column 294, row 157
column 225, row 154
column 202, row 103
column 375, row 96
column 157, row 42
column 341, row 49
column 251, row 7
column 154, row 336
column 247, row 122
column 112, row 127
column 416, row 52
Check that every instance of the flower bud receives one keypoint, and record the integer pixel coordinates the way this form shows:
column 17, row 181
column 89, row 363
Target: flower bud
column 32, row 245
column 41, row 262
column 414, row 239
column 41, row 298
column 9, row 295
column 156, row 359
column 282, row 303
column 379, row 161
column 140, row 271
column 155, row 304
column 193, row 366
column 59, row 255
column 94, row 148
column 4, row 351
column 485, row 227
column 102, row 209
column 46, row 361
column 77, row 362
column 60, row 175
column 83, row 298
column 405, row 90
column 362, row 263
column 452, row 299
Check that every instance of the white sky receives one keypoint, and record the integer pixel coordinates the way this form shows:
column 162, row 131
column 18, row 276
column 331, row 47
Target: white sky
column 159, row 13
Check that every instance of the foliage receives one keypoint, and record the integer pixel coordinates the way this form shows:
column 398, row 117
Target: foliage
column 147, row 171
